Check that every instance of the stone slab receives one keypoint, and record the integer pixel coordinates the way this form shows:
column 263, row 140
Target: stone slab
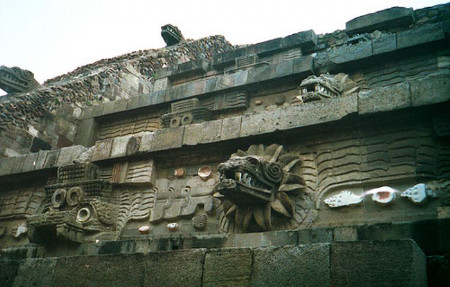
column 167, row 139
column 205, row 132
column 231, row 127
column 388, row 18
column 349, row 53
column 382, row 263
column 36, row 272
column 262, row 239
column 386, row 43
column 304, row 265
column 68, row 154
column 30, row 162
column 52, row 158
column 228, row 267
column 119, row 146
column 6, row 165
column 299, row 116
column 421, row 35
column 383, row 99
column 40, row 162
column 174, row 268
column 430, row 90
column 146, row 142
column 102, row 150
column 18, row 164
column 86, row 132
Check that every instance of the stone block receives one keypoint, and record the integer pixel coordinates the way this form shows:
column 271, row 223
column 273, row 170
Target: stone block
column 345, row 234
column 321, row 235
column 51, row 159
column 304, row 265
column 298, row 116
column 6, row 165
column 97, row 110
column 160, row 85
column 167, row 139
column 104, row 270
column 174, row 268
column 205, row 132
column 119, row 146
column 303, row 65
column 349, row 53
column 430, row 90
column 8, row 271
column 421, row 35
column 120, row 105
column 228, row 267
column 108, row 108
column 389, row 98
column 381, row 20
column 146, row 142
column 68, row 154
column 30, row 162
column 18, row 164
column 86, row 132
column 380, row 263
column 231, row 128
column 102, row 150
column 133, row 103
column 305, row 39
column 36, row 272
column 386, row 43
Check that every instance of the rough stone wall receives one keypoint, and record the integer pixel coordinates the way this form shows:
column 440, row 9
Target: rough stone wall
column 51, row 113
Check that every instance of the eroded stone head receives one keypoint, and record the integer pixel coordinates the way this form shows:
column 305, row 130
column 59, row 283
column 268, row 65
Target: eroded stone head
column 16, row 80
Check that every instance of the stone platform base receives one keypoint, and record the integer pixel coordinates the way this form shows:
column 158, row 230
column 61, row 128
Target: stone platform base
column 358, row 263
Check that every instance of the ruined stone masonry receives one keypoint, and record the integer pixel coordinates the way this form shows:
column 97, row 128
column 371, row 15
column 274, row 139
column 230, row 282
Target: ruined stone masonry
column 307, row 160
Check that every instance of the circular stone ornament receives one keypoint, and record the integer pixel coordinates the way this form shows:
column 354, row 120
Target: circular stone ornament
column 204, row 172
column 58, row 198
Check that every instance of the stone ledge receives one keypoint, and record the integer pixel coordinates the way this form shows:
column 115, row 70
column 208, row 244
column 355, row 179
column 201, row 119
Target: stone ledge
column 388, row 18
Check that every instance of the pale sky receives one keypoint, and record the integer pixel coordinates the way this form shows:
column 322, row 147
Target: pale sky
column 53, row 37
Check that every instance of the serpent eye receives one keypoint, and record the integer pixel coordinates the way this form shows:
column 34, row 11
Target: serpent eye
column 85, row 213
column 253, row 161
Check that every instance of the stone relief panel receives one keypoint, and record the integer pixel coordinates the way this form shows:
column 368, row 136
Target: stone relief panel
column 128, row 126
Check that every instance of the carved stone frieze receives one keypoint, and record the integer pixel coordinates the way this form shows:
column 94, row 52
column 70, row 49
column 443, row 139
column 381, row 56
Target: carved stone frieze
column 260, row 190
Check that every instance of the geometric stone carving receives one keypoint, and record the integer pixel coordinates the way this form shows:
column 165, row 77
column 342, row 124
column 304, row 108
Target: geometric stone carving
column 186, row 112
column 260, row 190
column 171, row 34
column 181, row 198
column 231, row 101
column 325, row 86
column 16, row 80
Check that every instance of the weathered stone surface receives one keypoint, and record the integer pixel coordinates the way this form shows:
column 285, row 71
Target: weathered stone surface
column 349, row 53
column 40, row 161
column 345, row 234
column 119, row 146
column 174, row 268
column 36, row 272
column 228, row 267
column 389, row 18
column 383, row 99
column 30, row 162
column 52, row 157
column 68, row 154
column 205, row 132
column 18, row 164
column 231, row 128
column 386, row 43
column 383, row 263
column 304, row 265
column 262, row 239
column 105, row 270
column 421, row 35
column 167, row 139
column 102, row 150
column 86, row 132
column 8, row 271
column 6, row 165
column 298, row 116
column 146, row 142
column 430, row 90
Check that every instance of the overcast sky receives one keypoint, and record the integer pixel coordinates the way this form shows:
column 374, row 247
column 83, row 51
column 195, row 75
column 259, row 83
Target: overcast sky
column 52, row 37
